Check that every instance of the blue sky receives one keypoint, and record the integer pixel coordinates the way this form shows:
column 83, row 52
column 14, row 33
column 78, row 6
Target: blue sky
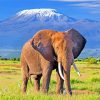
column 74, row 8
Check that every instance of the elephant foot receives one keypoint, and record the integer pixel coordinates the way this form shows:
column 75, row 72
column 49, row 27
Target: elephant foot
column 23, row 91
column 67, row 93
column 70, row 93
column 59, row 91
column 44, row 90
column 36, row 90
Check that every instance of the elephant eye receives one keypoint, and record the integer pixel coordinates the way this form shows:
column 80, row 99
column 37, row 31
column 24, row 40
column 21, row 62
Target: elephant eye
column 39, row 45
column 57, row 47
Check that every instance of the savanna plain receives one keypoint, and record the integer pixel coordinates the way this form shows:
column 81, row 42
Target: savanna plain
column 84, row 87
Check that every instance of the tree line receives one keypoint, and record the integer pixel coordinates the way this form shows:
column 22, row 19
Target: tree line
column 13, row 59
column 90, row 60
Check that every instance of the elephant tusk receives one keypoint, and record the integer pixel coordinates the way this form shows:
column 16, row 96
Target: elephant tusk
column 78, row 72
column 60, row 71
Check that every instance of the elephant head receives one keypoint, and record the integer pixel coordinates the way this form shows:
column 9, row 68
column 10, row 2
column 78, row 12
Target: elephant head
column 65, row 46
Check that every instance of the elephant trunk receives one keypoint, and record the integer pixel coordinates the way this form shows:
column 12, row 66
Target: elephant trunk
column 66, row 77
column 66, row 68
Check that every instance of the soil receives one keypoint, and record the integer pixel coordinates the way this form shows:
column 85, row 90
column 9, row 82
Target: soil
column 92, row 67
column 83, row 92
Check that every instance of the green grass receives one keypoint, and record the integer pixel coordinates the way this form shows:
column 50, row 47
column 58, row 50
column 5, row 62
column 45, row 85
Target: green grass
column 95, row 80
column 8, row 62
column 87, row 85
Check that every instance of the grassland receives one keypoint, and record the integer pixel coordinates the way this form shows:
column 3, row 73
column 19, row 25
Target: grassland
column 85, row 87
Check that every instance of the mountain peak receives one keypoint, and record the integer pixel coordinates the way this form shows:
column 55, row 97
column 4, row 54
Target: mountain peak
column 44, row 15
column 38, row 11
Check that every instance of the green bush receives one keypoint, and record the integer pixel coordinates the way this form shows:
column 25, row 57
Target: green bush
column 15, row 59
column 78, row 59
column 92, row 61
column 95, row 80
column 73, row 81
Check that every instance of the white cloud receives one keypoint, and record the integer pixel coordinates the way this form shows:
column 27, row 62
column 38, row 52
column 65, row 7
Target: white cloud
column 82, row 3
column 88, row 5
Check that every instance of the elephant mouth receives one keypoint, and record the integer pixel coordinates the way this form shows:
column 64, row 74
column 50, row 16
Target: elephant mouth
column 60, row 70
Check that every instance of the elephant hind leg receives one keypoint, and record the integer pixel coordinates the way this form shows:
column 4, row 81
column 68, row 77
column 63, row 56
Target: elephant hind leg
column 25, row 75
column 46, row 79
column 37, row 83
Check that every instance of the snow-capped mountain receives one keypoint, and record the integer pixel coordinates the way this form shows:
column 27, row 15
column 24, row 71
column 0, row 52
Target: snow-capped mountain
column 16, row 30
column 43, row 15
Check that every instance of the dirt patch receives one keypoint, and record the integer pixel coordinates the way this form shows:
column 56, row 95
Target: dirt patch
column 82, row 92
column 92, row 67
column 76, row 92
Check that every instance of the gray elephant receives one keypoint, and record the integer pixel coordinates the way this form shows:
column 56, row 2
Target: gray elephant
column 48, row 50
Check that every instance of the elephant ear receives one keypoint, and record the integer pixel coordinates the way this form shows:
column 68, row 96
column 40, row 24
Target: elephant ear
column 78, row 41
column 42, row 43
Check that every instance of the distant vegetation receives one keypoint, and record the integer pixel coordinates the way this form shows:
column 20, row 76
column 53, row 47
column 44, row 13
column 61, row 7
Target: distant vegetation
column 13, row 59
column 89, row 60
column 92, row 60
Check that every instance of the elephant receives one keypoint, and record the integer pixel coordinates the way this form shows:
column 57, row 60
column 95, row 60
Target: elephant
column 48, row 50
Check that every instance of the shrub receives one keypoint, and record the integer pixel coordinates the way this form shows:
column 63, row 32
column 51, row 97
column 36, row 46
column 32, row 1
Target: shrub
column 95, row 80
column 92, row 61
column 78, row 59
column 15, row 59
column 73, row 81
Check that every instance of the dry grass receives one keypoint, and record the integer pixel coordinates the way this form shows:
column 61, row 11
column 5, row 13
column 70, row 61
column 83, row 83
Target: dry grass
column 85, row 87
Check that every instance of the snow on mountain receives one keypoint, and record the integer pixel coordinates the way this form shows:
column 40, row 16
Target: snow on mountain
column 43, row 15
column 45, row 12
column 16, row 30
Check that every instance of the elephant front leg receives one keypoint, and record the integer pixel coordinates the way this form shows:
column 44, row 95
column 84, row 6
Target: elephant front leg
column 67, row 80
column 59, row 86
column 46, row 79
